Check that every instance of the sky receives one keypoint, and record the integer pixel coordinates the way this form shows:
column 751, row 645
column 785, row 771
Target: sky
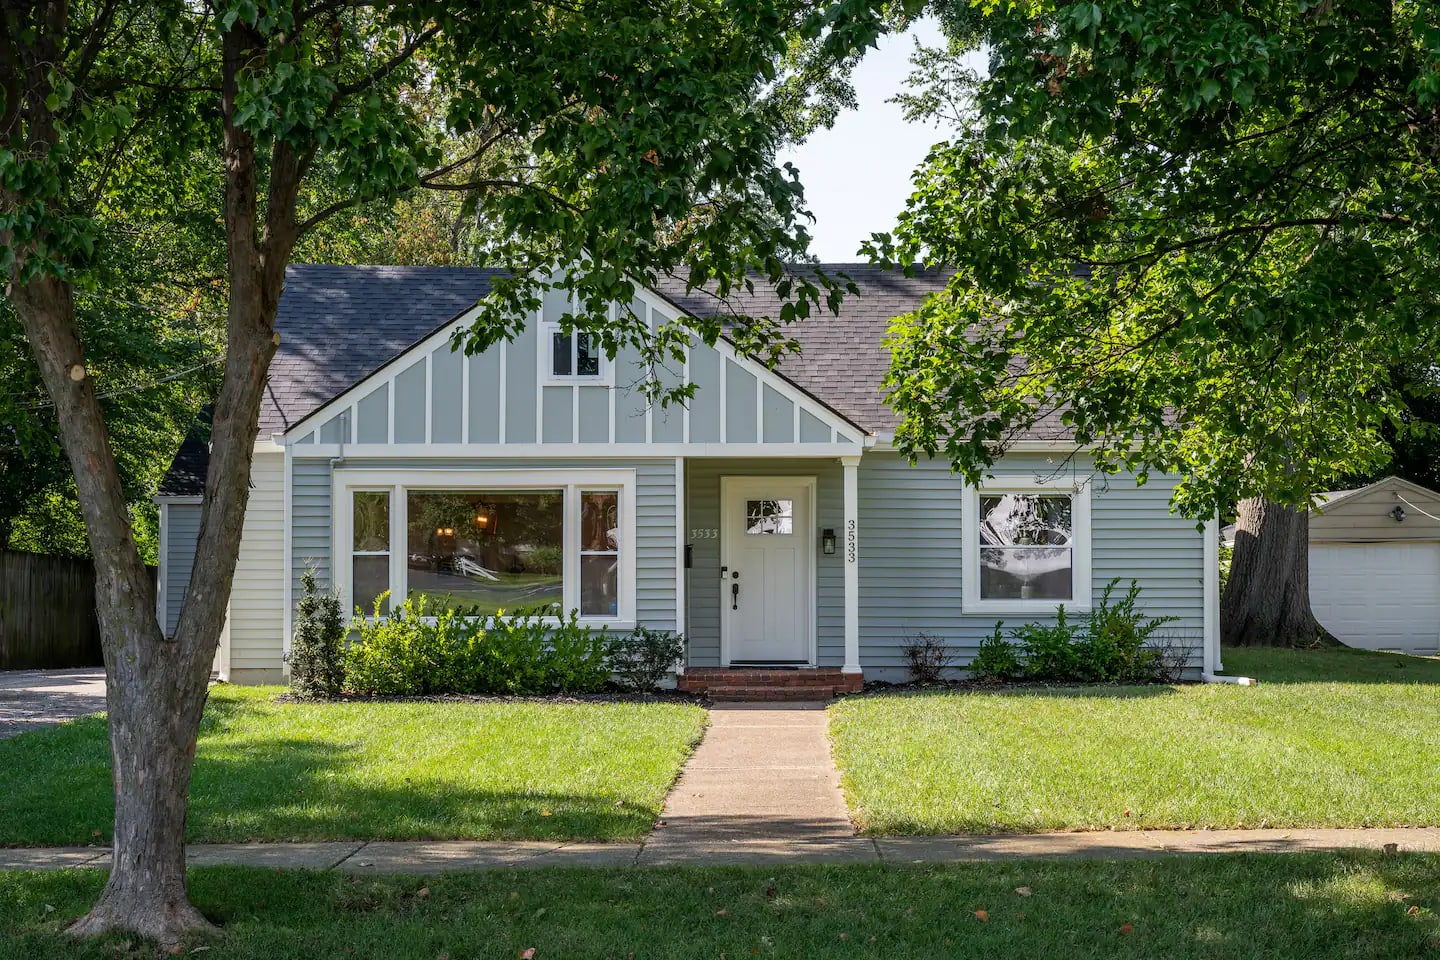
column 857, row 174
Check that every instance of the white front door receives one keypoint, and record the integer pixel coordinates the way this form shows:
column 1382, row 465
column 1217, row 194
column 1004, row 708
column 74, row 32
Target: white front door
column 767, row 592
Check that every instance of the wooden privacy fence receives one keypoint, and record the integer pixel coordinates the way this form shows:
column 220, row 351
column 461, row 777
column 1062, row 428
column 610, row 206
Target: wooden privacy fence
column 47, row 612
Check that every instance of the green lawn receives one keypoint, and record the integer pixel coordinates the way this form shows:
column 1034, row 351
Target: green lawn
column 1290, row 907
column 270, row 771
column 1334, row 738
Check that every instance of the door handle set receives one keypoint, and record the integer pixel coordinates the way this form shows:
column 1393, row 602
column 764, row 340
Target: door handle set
column 735, row 590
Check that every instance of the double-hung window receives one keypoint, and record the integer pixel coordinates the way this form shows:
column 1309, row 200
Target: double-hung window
column 1027, row 547
column 543, row 541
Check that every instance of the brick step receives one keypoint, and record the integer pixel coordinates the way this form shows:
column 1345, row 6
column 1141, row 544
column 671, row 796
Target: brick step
column 735, row 693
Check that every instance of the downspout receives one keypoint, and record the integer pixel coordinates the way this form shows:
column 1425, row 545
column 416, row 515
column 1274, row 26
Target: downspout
column 1211, row 650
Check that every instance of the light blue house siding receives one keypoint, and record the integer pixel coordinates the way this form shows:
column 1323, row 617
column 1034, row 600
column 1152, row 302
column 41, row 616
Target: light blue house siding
column 182, row 532
column 655, row 561
column 912, row 545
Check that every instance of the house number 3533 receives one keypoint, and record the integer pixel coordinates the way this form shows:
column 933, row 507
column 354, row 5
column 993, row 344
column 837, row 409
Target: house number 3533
column 850, row 545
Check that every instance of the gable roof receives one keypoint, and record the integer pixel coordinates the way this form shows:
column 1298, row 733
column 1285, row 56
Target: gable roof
column 340, row 324
column 1328, row 501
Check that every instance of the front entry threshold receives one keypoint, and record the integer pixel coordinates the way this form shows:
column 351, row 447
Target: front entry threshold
column 769, row 683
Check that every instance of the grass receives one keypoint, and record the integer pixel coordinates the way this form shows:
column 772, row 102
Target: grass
column 1328, row 739
column 271, row 771
column 1227, row 908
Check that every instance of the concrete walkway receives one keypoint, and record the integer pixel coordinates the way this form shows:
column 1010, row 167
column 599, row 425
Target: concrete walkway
column 42, row 698
column 761, row 783
column 434, row 857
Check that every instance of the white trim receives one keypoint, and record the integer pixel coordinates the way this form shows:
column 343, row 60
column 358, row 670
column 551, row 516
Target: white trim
column 162, row 561
column 612, row 451
column 730, row 483
column 390, row 404
column 504, row 414
column 724, row 407
column 288, row 571
column 1211, row 533
column 398, row 482
column 545, row 374
column 850, row 556
column 680, row 571
column 464, row 396
column 1082, row 589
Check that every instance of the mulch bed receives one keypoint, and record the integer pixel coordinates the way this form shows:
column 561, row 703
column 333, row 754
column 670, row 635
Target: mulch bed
column 609, row 696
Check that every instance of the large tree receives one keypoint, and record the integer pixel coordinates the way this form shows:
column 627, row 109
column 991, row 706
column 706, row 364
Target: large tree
column 626, row 138
column 1201, row 234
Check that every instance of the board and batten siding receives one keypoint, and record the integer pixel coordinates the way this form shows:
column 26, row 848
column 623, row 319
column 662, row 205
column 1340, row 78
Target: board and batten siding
column 433, row 395
column 912, row 547
column 311, row 519
column 182, row 531
column 702, row 486
column 256, row 621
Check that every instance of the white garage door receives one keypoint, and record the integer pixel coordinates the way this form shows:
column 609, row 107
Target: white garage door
column 1381, row 596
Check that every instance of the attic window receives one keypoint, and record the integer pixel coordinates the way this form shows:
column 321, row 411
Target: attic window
column 572, row 355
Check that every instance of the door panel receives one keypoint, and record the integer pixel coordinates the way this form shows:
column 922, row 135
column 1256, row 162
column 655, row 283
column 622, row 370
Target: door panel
column 1379, row 596
column 767, row 551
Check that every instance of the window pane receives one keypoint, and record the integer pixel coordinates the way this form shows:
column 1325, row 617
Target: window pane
column 1013, row 519
column 599, row 520
column 560, row 354
column 769, row 516
column 599, row 586
column 587, row 360
column 370, row 577
column 500, row 550
column 1026, row 573
column 372, row 520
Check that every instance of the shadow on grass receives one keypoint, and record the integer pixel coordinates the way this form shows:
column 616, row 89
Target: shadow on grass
column 293, row 789
column 1349, row 905
column 1330, row 665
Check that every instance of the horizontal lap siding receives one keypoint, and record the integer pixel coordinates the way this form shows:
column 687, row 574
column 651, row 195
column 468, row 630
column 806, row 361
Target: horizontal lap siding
column 182, row 530
column 912, row 548
column 654, row 521
column 257, row 599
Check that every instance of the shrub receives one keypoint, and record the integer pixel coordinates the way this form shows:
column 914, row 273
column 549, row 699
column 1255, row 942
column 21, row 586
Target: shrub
column 416, row 652
column 1114, row 647
column 928, row 657
column 544, row 560
column 1050, row 649
column 317, row 648
column 641, row 660
column 997, row 659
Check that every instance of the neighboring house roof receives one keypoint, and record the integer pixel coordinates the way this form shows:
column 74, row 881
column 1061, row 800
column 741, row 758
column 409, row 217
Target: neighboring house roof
column 186, row 476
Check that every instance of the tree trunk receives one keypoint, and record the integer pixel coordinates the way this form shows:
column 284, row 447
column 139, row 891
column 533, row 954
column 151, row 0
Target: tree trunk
column 1267, row 598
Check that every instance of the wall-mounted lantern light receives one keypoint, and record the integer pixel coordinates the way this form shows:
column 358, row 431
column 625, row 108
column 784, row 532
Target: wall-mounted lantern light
column 827, row 542
column 1397, row 513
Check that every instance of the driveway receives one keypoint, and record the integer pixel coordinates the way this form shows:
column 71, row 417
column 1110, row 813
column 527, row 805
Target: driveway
column 39, row 698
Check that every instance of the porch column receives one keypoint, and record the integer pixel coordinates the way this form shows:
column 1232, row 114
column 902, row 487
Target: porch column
column 850, row 546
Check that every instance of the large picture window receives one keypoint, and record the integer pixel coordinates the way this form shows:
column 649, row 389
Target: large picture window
column 1027, row 548
column 491, row 549
column 512, row 543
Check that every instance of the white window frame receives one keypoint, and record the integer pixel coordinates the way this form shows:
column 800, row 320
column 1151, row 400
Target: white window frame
column 546, row 330
column 1081, row 587
column 400, row 482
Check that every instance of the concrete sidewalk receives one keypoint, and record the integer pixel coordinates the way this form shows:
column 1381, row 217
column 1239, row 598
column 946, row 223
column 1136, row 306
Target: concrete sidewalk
column 434, row 857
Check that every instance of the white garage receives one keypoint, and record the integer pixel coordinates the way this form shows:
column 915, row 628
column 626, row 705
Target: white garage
column 1375, row 566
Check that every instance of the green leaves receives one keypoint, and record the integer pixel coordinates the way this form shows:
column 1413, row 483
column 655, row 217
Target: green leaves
column 1195, row 240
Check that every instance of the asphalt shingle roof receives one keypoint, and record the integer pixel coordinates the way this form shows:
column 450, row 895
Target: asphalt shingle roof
column 339, row 324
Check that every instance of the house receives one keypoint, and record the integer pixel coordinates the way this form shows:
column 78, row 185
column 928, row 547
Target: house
column 1375, row 566
column 769, row 520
